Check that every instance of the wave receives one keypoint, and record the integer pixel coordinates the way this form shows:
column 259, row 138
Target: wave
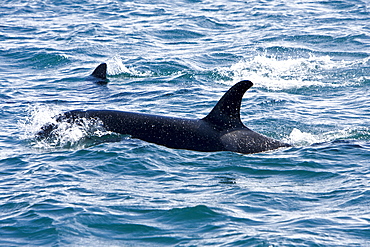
column 116, row 67
column 300, row 138
column 273, row 73
column 265, row 71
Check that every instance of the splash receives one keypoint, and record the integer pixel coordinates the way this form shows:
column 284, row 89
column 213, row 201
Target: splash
column 37, row 116
column 84, row 132
column 116, row 67
column 300, row 139
column 278, row 74
column 79, row 133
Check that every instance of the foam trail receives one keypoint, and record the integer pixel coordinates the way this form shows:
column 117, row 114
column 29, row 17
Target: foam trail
column 278, row 73
column 300, row 138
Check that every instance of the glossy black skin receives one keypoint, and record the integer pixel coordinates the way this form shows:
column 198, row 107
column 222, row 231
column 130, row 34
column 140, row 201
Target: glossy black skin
column 99, row 75
column 220, row 130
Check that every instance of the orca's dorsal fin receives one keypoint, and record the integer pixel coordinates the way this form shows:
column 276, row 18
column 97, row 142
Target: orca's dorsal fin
column 100, row 72
column 226, row 113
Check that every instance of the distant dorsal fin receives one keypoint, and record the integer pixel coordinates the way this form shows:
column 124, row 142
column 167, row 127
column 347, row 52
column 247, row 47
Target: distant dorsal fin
column 226, row 113
column 100, row 72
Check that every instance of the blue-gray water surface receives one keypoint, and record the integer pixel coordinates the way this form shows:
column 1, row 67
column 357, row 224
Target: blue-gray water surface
column 309, row 62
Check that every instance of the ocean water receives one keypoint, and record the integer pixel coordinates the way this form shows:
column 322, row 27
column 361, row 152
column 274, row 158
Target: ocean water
column 309, row 61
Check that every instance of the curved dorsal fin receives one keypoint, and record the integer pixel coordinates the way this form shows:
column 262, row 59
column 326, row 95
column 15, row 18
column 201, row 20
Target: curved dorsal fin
column 226, row 113
column 100, row 72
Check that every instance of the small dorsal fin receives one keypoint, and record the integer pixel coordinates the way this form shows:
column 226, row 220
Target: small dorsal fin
column 226, row 113
column 100, row 72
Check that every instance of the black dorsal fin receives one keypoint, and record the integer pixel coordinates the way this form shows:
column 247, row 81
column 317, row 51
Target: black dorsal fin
column 100, row 72
column 226, row 113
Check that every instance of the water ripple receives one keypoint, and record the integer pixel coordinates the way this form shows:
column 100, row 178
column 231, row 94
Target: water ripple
column 309, row 63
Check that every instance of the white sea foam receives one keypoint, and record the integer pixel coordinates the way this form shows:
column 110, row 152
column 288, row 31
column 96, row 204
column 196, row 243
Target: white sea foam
column 300, row 138
column 116, row 67
column 278, row 73
column 65, row 135
column 37, row 116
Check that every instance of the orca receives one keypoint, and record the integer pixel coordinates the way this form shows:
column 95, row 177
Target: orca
column 99, row 75
column 221, row 130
